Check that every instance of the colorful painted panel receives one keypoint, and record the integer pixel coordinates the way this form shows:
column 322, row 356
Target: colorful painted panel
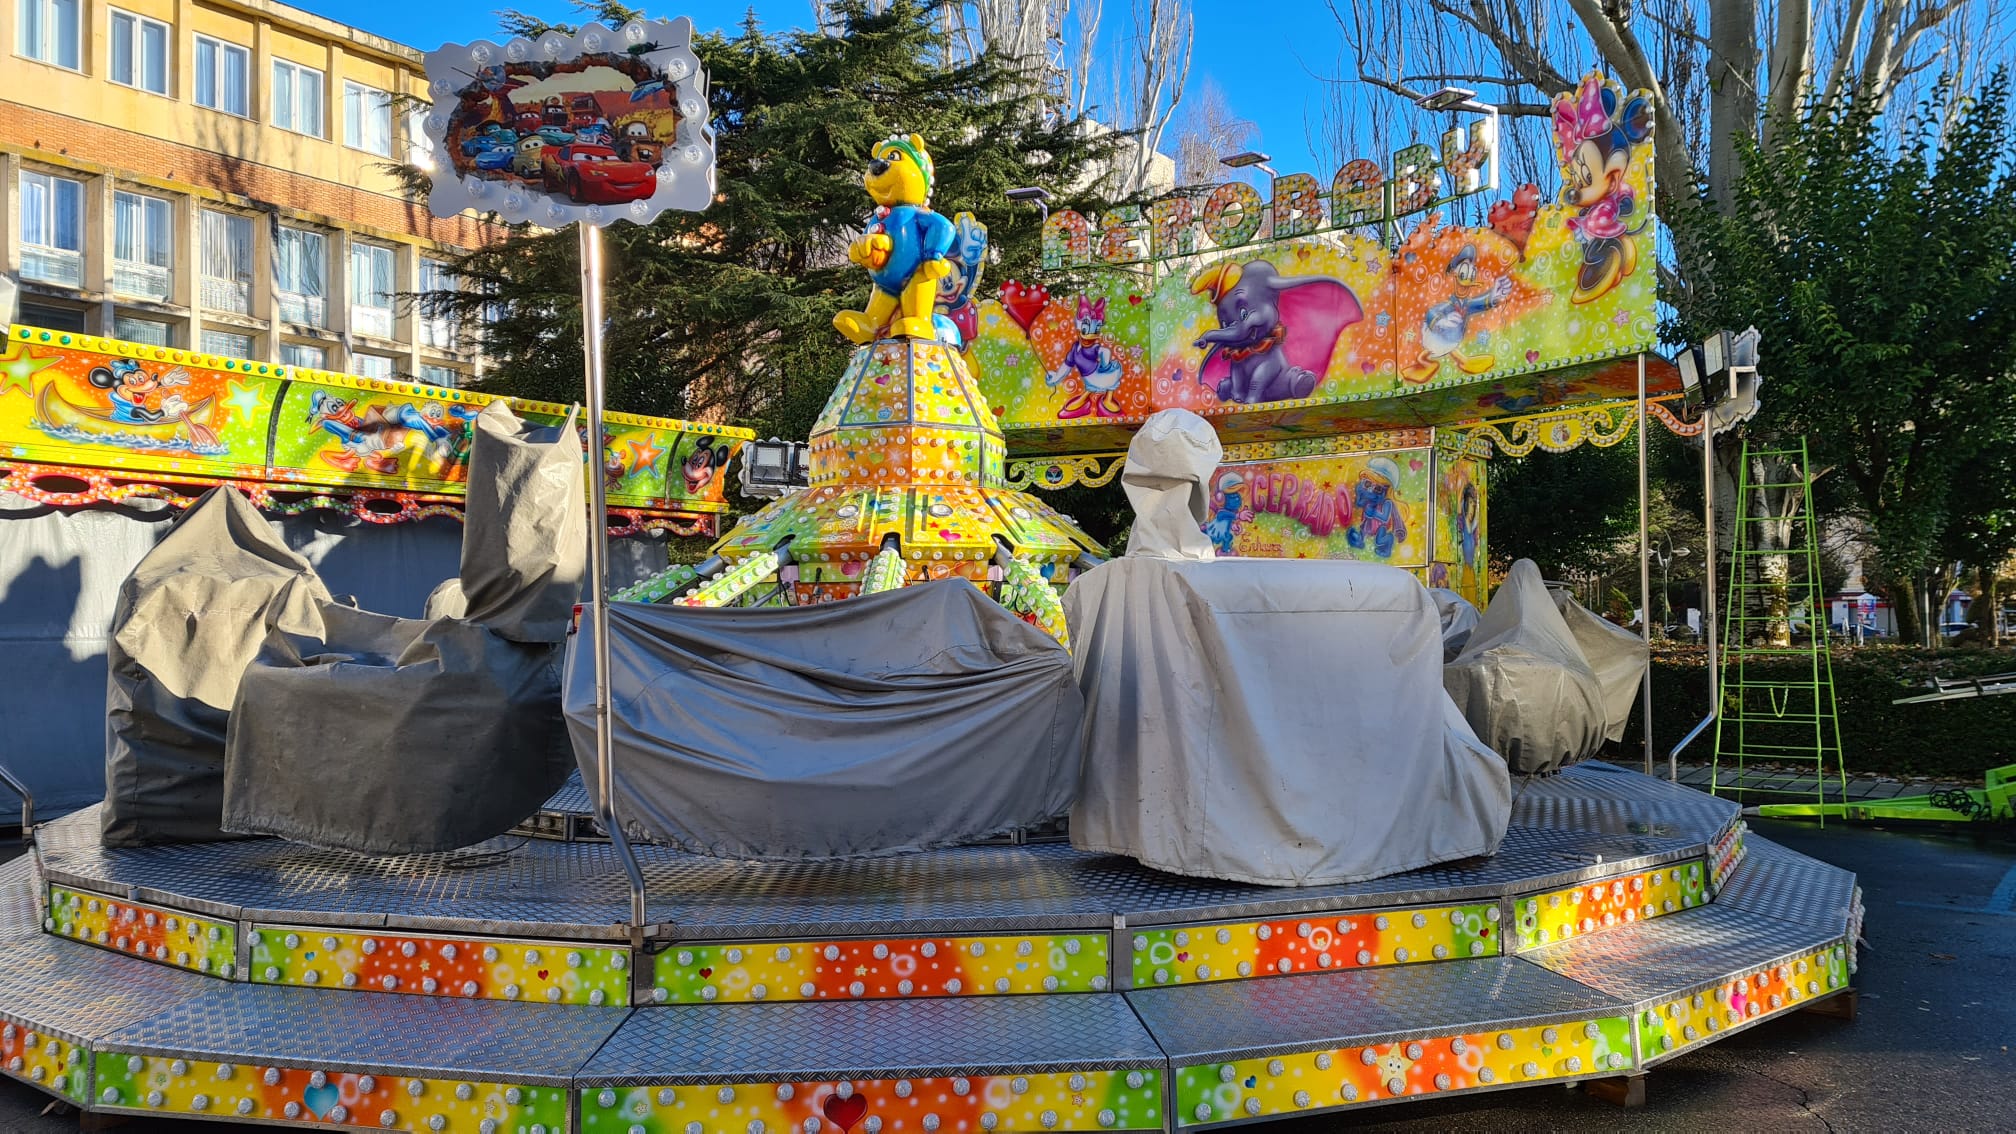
column 43, row 1060
column 1674, row 1026
column 880, row 970
column 1592, row 908
column 1318, row 1080
column 1727, row 853
column 474, row 968
column 1369, row 506
column 1361, row 939
column 1065, row 1100
column 1344, row 331
column 1461, row 555
column 167, row 937
column 76, row 400
column 601, row 126
column 197, row 1088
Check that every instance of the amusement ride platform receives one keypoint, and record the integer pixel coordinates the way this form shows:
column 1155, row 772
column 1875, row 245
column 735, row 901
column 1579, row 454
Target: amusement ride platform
column 498, row 990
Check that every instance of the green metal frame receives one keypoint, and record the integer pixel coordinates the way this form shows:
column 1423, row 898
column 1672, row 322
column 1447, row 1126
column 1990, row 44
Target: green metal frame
column 1776, row 717
column 1995, row 800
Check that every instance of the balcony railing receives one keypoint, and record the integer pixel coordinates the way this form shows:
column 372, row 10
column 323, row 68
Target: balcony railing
column 52, row 265
column 305, row 310
column 231, row 296
column 141, row 281
column 373, row 321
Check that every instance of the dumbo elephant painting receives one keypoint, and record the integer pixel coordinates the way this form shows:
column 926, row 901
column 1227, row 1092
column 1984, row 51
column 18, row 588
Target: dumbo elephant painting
column 1275, row 333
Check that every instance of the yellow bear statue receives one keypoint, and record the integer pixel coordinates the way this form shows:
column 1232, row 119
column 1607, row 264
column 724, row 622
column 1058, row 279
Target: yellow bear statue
column 903, row 246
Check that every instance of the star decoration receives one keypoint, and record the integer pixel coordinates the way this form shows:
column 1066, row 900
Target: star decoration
column 645, row 452
column 247, row 399
column 17, row 367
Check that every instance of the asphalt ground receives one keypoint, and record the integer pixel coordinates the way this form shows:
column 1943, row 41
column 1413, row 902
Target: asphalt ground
column 1930, row 1050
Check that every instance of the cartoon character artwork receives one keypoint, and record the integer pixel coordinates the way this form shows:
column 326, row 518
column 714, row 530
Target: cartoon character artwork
column 1275, row 333
column 1595, row 129
column 144, row 409
column 375, row 437
column 1446, row 325
column 703, row 466
column 1228, row 511
column 904, row 246
column 1090, row 360
column 1376, row 519
column 957, row 317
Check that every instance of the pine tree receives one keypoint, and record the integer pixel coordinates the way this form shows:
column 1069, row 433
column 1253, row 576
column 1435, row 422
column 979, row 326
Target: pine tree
column 727, row 314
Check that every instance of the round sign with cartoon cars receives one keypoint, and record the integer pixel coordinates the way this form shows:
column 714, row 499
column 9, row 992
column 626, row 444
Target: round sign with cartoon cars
column 596, row 127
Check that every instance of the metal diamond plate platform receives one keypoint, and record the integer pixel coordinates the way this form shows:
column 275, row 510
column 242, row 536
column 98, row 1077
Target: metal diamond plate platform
column 1651, row 959
column 1210, row 1022
column 1067, row 1053
column 918, row 1038
column 1778, row 883
column 376, row 1032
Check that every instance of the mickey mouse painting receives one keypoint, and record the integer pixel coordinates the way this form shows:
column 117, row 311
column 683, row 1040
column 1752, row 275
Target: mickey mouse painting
column 702, row 466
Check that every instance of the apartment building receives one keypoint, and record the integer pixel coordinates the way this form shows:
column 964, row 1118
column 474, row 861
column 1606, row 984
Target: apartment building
column 212, row 175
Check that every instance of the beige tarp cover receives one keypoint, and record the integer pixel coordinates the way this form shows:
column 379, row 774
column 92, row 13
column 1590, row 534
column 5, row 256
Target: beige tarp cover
column 1523, row 683
column 1280, row 722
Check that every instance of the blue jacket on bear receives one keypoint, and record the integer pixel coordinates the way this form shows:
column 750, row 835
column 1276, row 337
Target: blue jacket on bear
column 916, row 234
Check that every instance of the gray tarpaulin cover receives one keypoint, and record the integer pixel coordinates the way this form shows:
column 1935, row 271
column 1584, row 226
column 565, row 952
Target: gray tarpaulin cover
column 1459, row 620
column 190, row 618
column 525, row 547
column 1616, row 655
column 1523, row 683
column 394, row 736
column 1271, row 721
column 917, row 718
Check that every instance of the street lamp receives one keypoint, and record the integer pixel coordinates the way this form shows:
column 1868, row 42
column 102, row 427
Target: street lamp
column 1034, row 194
column 1666, row 559
column 1246, row 158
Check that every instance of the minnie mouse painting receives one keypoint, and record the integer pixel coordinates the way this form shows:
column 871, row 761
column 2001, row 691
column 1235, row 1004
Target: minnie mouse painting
column 1595, row 135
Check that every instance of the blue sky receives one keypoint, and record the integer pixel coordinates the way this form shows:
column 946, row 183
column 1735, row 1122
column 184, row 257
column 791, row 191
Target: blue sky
column 1266, row 57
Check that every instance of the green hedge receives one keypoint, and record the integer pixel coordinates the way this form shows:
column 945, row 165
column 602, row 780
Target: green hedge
column 1953, row 739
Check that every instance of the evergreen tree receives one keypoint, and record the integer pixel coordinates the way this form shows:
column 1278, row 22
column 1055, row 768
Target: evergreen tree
column 1877, row 262
column 727, row 314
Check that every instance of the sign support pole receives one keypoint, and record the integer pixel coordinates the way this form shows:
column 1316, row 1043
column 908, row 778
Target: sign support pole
column 598, row 563
column 1644, row 563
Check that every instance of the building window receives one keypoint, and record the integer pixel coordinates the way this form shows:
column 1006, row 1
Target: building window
column 371, row 365
column 300, row 269
column 297, row 98
column 307, row 357
column 226, row 284
column 437, row 330
column 419, row 147
column 52, row 318
column 139, row 52
column 367, row 119
column 227, row 344
column 131, row 329
column 143, row 243
column 52, row 30
column 223, row 76
column 446, row 377
column 371, row 289
column 52, row 229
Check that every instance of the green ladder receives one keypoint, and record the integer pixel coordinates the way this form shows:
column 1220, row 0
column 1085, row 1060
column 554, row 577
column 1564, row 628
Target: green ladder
column 1777, row 679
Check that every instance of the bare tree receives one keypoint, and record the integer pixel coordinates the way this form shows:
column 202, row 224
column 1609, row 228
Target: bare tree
column 1749, row 64
column 1158, row 70
column 1207, row 130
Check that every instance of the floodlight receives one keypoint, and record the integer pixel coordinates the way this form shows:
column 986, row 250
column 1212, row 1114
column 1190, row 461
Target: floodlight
column 773, row 468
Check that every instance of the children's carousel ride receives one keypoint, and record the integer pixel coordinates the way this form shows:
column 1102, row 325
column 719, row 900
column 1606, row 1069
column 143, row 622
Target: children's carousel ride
column 538, row 985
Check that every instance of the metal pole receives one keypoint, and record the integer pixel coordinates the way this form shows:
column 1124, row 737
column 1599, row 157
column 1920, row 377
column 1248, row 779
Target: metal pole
column 598, row 564
column 1644, row 563
column 1709, row 638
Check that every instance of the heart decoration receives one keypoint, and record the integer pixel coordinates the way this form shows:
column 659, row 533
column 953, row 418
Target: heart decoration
column 318, row 1100
column 542, row 974
column 1134, row 301
column 706, row 972
column 1532, row 356
column 844, row 1113
column 1024, row 302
